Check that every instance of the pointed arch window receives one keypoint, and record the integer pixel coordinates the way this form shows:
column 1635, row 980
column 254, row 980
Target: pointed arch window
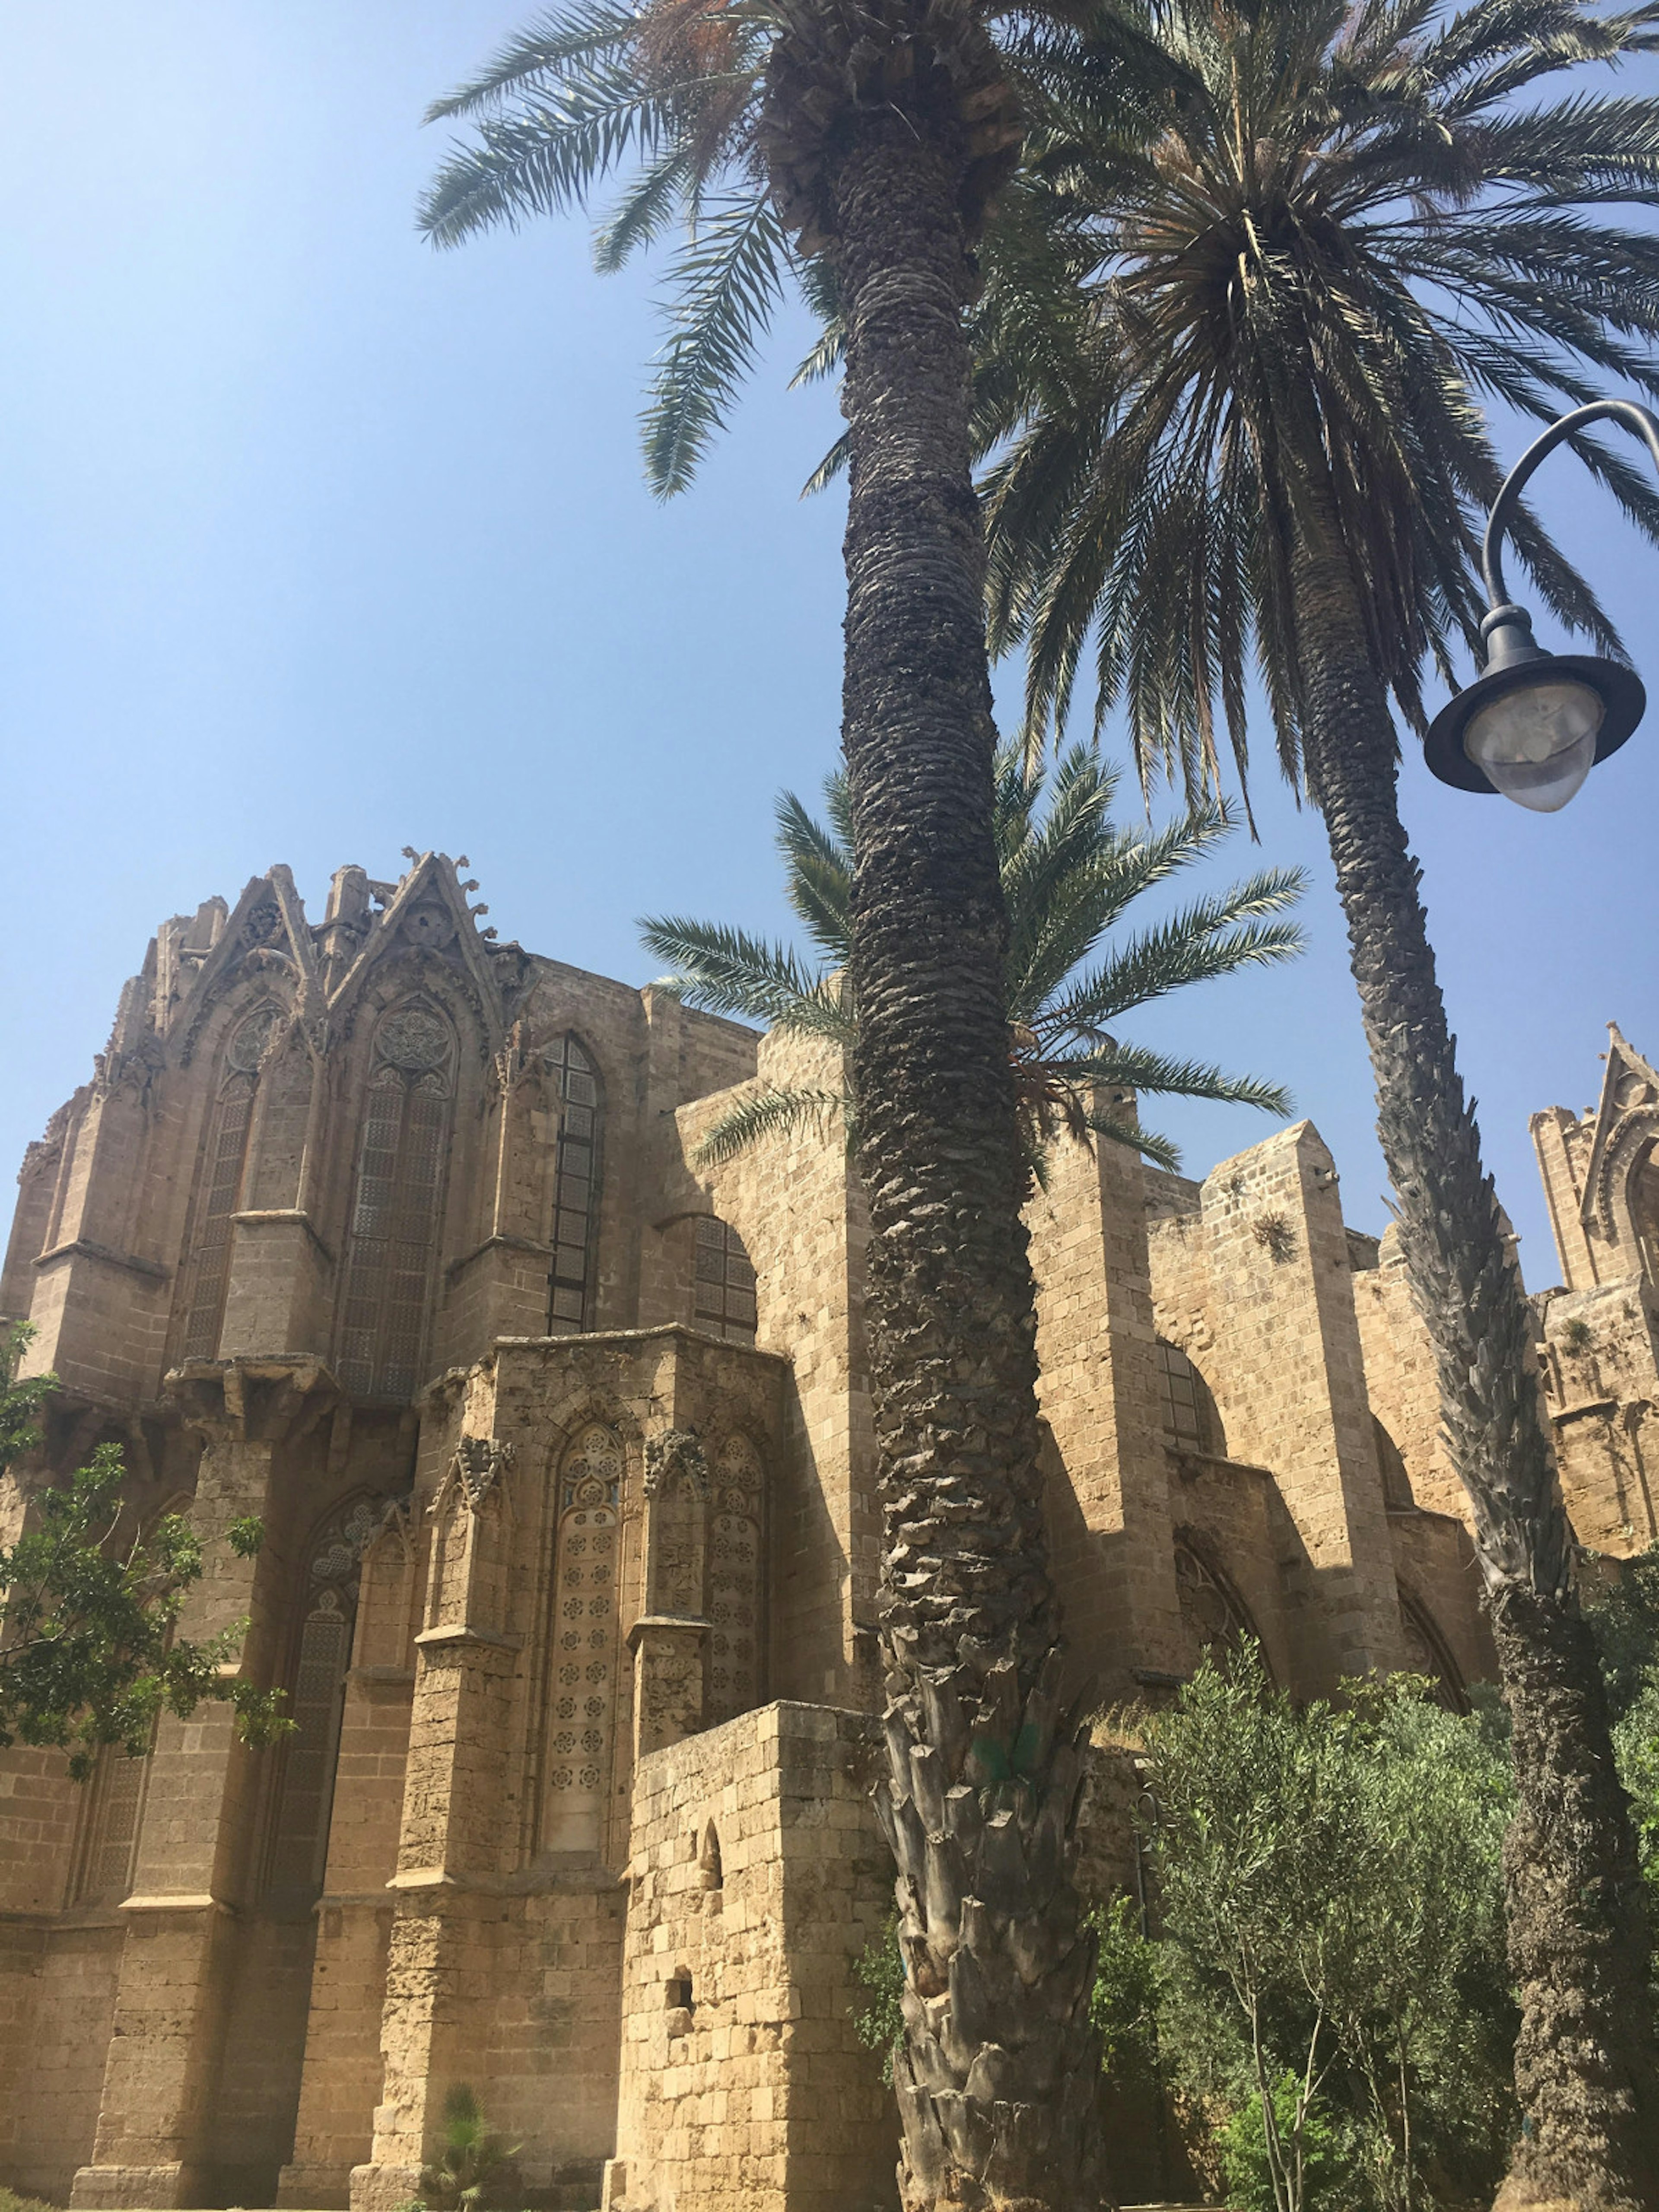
column 1190, row 1411
column 1215, row 1617
column 576, row 1196
column 723, row 1299
column 316, row 1687
column 1426, row 1654
column 219, row 1184
column 397, row 1205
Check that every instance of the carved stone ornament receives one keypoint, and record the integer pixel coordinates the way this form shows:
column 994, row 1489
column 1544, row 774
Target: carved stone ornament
column 413, row 1040
column 676, row 1456
column 480, row 1462
column 250, row 1038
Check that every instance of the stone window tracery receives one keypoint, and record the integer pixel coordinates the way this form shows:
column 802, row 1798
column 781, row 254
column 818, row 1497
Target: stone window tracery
column 305, row 1796
column 1189, row 1411
column 219, row 1184
column 396, row 1202
column 723, row 1298
column 576, row 1194
column 735, row 1582
column 1426, row 1654
column 583, row 1641
column 1215, row 1617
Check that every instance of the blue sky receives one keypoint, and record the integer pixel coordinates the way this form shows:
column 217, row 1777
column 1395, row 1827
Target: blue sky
column 314, row 545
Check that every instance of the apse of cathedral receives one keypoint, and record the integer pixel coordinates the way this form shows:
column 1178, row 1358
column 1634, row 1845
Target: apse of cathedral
column 394, row 1236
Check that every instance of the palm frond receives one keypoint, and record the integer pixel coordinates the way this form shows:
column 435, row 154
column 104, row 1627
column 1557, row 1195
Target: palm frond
column 1132, row 1067
column 728, row 282
column 537, row 57
column 771, row 1112
column 1121, row 1128
column 727, row 971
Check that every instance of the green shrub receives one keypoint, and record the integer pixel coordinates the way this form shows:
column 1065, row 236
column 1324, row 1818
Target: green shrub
column 10, row 2202
column 880, row 2025
column 1329, row 2181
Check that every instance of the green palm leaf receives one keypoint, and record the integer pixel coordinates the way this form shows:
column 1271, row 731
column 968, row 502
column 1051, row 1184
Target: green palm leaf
column 728, row 282
column 774, row 1112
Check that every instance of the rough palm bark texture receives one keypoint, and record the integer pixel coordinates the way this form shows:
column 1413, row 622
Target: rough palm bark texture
column 1578, row 1940
column 890, row 115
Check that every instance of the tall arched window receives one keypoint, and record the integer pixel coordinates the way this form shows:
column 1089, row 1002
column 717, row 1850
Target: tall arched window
column 109, row 1835
column 723, row 1301
column 576, row 1196
column 396, row 1203
column 219, row 1185
column 316, row 1694
column 735, row 1582
column 1189, row 1411
column 585, row 1601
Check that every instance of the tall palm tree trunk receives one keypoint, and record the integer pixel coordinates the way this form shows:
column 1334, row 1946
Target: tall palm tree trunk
column 997, row 2078
column 1577, row 1933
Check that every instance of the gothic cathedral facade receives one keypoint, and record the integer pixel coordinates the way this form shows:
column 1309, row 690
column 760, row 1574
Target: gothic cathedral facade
column 393, row 1235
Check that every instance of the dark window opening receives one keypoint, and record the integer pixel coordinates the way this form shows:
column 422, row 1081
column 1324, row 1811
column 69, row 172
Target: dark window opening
column 1189, row 1411
column 577, row 1193
column 723, row 1301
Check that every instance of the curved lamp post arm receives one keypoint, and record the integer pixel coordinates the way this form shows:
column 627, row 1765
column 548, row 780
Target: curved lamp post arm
column 1638, row 421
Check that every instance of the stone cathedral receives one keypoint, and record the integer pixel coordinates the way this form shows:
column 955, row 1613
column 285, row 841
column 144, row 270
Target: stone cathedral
column 392, row 1234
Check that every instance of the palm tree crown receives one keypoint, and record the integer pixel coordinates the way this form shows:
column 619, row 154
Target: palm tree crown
column 1288, row 275
column 688, row 100
column 1069, row 875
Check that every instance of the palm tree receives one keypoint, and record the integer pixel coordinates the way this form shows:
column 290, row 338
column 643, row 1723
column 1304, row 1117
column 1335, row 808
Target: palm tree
column 871, row 134
column 1069, row 875
column 1232, row 369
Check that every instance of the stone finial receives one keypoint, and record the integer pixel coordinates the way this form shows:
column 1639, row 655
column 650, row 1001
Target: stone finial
column 676, row 1454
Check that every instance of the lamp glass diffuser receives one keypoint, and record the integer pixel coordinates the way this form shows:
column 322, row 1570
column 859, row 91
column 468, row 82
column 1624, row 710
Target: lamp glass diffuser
column 1536, row 743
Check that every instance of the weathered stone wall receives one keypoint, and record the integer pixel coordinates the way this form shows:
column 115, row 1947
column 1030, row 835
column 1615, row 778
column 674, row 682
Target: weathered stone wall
column 58, row 1987
column 798, row 1207
column 757, row 1874
column 1107, row 1500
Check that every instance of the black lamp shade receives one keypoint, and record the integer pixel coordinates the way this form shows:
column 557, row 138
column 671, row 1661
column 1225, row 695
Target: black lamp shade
column 1624, row 700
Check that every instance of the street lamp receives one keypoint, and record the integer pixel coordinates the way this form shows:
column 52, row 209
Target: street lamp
column 1533, row 724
